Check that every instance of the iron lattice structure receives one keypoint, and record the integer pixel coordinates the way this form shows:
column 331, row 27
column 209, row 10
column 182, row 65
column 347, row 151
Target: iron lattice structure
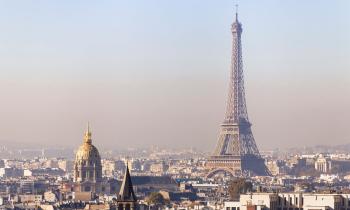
column 236, row 151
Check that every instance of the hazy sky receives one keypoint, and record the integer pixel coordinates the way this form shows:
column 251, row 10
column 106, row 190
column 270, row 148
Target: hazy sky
column 153, row 72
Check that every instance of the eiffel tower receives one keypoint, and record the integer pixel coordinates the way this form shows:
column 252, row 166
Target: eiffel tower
column 236, row 151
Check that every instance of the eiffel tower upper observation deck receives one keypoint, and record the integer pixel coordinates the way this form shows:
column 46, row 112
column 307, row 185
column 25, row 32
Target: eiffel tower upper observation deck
column 236, row 151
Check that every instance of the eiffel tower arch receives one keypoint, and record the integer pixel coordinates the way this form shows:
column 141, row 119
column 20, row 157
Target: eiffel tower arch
column 226, row 170
column 236, row 151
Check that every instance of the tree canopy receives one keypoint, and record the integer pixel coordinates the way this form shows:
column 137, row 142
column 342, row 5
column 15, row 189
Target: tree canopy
column 238, row 186
column 155, row 198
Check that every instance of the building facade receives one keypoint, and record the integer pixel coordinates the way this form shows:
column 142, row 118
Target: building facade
column 87, row 167
column 323, row 164
column 290, row 201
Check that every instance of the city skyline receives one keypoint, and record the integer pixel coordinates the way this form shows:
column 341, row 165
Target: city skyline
column 147, row 75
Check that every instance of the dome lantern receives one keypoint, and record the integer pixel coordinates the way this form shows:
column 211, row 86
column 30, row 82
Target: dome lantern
column 87, row 136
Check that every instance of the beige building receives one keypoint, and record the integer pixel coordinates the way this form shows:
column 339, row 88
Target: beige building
column 273, row 167
column 66, row 165
column 50, row 197
column 87, row 167
column 108, row 168
column 323, row 164
column 290, row 201
column 50, row 163
column 159, row 168
column 259, row 201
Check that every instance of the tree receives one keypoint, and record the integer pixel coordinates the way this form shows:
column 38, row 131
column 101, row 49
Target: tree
column 155, row 198
column 238, row 186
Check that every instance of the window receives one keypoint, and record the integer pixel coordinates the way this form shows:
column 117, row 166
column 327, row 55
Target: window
column 296, row 201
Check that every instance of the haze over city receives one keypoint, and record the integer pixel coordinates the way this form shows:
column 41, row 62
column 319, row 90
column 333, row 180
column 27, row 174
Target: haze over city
column 156, row 72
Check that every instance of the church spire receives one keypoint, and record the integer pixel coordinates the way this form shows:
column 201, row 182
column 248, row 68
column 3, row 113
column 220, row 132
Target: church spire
column 87, row 136
column 126, row 193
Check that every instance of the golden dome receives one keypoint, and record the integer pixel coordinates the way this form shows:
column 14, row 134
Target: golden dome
column 87, row 165
column 87, row 151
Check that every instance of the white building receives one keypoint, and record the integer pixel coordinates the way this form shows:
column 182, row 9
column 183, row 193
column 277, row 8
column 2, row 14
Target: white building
column 290, row 201
column 323, row 164
column 108, row 168
column 259, row 200
column 232, row 205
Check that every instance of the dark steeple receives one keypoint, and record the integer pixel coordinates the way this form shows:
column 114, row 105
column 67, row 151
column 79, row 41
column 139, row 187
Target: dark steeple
column 126, row 193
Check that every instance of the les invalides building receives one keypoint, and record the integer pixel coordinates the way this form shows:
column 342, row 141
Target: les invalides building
column 87, row 167
column 87, row 181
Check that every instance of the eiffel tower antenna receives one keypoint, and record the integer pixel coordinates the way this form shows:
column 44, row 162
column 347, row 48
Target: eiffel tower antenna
column 236, row 5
